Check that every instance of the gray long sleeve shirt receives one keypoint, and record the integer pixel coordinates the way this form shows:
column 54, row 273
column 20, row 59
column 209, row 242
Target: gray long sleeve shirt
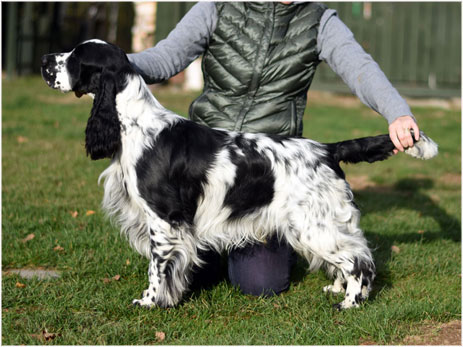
column 335, row 43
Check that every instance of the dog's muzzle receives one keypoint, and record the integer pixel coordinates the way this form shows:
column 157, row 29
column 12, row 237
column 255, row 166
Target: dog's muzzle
column 48, row 69
column 53, row 69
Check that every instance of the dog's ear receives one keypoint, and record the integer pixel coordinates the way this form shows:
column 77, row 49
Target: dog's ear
column 103, row 132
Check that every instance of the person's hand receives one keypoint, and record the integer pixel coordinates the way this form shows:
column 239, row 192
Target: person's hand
column 399, row 132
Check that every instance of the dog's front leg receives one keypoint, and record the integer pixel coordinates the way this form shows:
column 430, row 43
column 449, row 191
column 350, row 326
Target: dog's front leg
column 172, row 255
column 149, row 295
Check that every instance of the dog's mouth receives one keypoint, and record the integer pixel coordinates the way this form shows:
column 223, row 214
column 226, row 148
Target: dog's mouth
column 79, row 93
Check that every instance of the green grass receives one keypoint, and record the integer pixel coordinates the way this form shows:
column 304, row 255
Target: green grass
column 47, row 177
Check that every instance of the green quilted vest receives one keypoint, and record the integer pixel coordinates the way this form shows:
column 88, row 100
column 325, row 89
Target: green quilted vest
column 258, row 67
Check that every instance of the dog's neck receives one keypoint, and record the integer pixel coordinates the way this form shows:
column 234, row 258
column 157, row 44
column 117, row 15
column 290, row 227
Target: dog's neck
column 137, row 107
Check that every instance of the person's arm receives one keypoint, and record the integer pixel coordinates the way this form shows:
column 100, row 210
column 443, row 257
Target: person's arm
column 184, row 44
column 339, row 49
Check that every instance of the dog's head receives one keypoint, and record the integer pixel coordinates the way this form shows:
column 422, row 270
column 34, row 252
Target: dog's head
column 99, row 69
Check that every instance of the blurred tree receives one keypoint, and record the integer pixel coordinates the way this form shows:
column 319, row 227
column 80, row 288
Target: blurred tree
column 144, row 26
column 36, row 28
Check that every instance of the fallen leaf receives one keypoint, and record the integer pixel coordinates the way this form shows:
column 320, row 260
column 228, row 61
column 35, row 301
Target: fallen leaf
column 28, row 238
column 395, row 249
column 108, row 280
column 74, row 214
column 58, row 248
column 434, row 197
column 160, row 336
column 48, row 336
column 366, row 342
column 20, row 285
column 89, row 213
column 22, row 139
column 45, row 335
column 127, row 262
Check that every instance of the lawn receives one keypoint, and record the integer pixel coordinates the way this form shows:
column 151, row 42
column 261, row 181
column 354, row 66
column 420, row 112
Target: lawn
column 51, row 220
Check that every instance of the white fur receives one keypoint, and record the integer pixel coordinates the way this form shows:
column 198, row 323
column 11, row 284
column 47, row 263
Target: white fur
column 424, row 149
column 62, row 81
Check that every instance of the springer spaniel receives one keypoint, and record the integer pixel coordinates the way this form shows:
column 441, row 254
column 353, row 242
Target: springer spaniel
column 176, row 187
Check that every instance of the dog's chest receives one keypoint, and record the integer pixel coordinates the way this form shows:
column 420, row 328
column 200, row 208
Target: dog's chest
column 132, row 150
column 121, row 183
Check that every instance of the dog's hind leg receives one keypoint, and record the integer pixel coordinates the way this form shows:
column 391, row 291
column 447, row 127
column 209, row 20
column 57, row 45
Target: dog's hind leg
column 345, row 252
column 359, row 283
column 354, row 261
column 173, row 254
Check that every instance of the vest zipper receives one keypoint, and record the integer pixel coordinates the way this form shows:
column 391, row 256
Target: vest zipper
column 259, row 66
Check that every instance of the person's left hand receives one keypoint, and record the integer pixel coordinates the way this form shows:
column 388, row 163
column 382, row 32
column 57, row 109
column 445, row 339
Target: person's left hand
column 399, row 132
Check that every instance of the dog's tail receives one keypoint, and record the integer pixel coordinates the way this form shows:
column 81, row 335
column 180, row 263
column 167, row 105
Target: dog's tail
column 375, row 148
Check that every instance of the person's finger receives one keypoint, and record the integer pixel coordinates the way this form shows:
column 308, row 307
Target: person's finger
column 404, row 136
column 407, row 140
column 416, row 131
column 395, row 140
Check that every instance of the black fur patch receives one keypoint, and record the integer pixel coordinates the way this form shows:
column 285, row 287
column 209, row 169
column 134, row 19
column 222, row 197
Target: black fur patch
column 367, row 269
column 103, row 131
column 369, row 149
column 171, row 174
column 254, row 181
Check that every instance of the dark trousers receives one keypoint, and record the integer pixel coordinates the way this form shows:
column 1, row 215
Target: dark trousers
column 260, row 269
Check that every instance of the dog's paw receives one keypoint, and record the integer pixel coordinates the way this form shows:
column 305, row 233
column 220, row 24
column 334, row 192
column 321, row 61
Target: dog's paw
column 146, row 303
column 147, row 299
column 333, row 289
column 350, row 302
column 346, row 304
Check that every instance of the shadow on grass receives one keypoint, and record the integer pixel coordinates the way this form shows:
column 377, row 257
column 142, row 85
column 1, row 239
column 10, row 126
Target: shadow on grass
column 405, row 194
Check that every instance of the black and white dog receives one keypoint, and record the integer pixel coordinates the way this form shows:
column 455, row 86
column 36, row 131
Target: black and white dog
column 176, row 187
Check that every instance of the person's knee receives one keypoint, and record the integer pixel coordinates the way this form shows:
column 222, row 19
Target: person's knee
column 261, row 269
column 263, row 285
